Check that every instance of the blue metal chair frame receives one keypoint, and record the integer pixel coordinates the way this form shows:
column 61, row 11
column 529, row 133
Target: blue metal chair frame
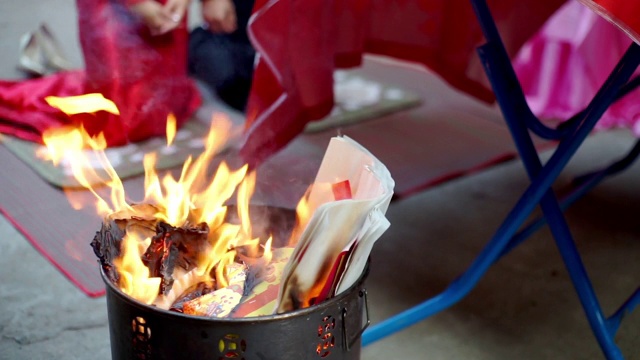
column 522, row 123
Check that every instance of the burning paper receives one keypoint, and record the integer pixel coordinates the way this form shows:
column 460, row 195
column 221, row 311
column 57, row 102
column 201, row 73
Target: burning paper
column 332, row 250
column 206, row 267
column 264, row 285
column 181, row 249
column 221, row 302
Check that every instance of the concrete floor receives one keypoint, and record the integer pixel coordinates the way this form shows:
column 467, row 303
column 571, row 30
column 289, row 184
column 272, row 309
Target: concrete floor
column 523, row 308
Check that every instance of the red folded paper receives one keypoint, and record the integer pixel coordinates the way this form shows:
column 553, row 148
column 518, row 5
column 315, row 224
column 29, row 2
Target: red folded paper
column 341, row 190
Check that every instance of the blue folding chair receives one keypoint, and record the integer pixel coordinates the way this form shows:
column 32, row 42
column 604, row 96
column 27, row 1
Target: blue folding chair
column 522, row 123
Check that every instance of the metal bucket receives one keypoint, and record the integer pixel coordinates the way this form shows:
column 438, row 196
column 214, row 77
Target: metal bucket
column 329, row 330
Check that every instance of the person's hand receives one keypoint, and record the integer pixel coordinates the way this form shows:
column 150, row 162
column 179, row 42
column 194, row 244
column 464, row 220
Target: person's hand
column 153, row 14
column 177, row 9
column 220, row 15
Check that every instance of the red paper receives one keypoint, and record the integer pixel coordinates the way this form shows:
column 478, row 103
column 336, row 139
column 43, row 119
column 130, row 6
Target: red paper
column 342, row 190
column 329, row 289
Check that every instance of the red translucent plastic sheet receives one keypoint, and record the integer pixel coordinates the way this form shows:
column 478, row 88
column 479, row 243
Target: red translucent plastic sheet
column 300, row 43
column 623, row 14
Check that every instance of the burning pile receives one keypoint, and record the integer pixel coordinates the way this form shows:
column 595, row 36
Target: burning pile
column 184, row 248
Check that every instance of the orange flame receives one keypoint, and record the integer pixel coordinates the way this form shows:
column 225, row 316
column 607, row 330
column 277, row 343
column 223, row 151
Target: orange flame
column 193, row 197
column 303, row 216
column 67, row 144
column 134, row 275
column 88, row 103
column 171, row 129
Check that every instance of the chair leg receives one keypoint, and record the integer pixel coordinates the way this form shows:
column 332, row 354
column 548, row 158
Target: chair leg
column 626, row 308
column 500, row 71
column 591, row 179
column 540, row 184
column 582, row 185
column 466, row 282
column 495, row 61
column 579, row 276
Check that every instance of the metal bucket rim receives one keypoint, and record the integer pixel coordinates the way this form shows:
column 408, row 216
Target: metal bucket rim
column 253, row 319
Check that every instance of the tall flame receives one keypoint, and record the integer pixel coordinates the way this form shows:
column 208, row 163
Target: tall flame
column 88, row 103
column 68, row 144
column 303, row 216
column 134, row 275
column 171, row 129
column 193, row 197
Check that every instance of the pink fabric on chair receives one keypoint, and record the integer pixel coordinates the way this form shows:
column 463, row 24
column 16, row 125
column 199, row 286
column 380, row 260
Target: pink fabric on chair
column 565, row 63
column 300, row 43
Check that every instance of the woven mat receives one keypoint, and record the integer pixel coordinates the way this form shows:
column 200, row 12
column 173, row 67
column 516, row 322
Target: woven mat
column 357, row 99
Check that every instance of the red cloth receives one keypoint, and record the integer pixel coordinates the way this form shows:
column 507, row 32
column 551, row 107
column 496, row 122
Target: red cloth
column 145, row 76
column 622, row 13
column 301, row 42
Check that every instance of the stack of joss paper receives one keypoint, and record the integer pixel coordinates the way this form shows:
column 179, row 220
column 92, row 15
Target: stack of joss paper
column 348, row 201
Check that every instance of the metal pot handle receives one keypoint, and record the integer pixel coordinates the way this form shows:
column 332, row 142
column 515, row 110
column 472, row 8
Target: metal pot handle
column 345, row 338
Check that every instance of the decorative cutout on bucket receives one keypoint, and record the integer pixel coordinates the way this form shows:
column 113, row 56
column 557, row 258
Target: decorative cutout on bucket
column 325, row 333
column 232, row 346
column 141, row 336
